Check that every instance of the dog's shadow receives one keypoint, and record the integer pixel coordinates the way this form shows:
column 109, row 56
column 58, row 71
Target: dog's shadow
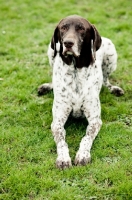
column 78, row 122
column 75, row 130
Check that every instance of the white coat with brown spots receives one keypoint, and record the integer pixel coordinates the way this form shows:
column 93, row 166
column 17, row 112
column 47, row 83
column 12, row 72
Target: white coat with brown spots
column 82, row 62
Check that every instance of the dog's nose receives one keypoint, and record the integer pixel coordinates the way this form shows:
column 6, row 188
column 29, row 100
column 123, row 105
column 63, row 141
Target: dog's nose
column 68, row 44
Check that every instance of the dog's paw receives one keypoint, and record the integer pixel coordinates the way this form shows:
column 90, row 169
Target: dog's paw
column 63, row 162
column 82, row 158
column 44, row 88
column 117, row 91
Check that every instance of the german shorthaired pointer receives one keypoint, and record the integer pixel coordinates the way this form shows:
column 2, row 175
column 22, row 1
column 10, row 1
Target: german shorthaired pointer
column 82, row 61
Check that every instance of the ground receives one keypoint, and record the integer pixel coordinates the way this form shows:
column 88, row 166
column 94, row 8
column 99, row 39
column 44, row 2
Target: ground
column 28, row 151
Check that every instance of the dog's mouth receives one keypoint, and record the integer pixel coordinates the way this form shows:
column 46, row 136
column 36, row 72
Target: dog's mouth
column 69, row 51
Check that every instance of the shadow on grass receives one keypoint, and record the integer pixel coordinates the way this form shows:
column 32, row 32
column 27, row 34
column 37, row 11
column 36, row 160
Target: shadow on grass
column 75, row 130
column 78, row 122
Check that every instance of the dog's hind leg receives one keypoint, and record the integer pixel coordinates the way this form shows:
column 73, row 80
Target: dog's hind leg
column 44, row 88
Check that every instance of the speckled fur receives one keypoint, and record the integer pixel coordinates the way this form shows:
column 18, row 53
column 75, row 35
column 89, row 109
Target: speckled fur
column 76, row 91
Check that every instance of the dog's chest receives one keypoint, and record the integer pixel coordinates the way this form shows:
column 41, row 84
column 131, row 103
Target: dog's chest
column 73, row 85
column 69, row 80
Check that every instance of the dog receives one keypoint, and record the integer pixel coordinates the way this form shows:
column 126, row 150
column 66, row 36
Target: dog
column 82, row 61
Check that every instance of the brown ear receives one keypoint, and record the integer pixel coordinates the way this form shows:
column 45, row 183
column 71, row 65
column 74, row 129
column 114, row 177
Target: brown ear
column 91, row 43
column 55, row 38
column 96, row 43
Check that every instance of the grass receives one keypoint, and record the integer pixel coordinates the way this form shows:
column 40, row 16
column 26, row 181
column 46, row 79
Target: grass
column 28, row 152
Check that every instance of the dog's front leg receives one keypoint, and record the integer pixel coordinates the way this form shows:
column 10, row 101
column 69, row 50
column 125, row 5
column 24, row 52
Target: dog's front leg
column 93, row 116
column 60, row 115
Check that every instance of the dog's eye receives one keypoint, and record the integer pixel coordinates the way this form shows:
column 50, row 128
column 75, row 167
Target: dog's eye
column 80, row 28
column 64, row 28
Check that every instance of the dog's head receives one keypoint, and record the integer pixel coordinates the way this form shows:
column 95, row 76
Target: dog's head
column 78, row 38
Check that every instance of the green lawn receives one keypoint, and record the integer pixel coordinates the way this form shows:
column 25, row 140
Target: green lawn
column 27, row 148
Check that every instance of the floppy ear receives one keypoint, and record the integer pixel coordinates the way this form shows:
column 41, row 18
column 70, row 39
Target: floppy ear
column 54, row 40
column 91, row 44
column 95, row 42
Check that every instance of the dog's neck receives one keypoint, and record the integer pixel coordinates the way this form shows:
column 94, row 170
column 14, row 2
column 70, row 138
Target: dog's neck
column 84, row 60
